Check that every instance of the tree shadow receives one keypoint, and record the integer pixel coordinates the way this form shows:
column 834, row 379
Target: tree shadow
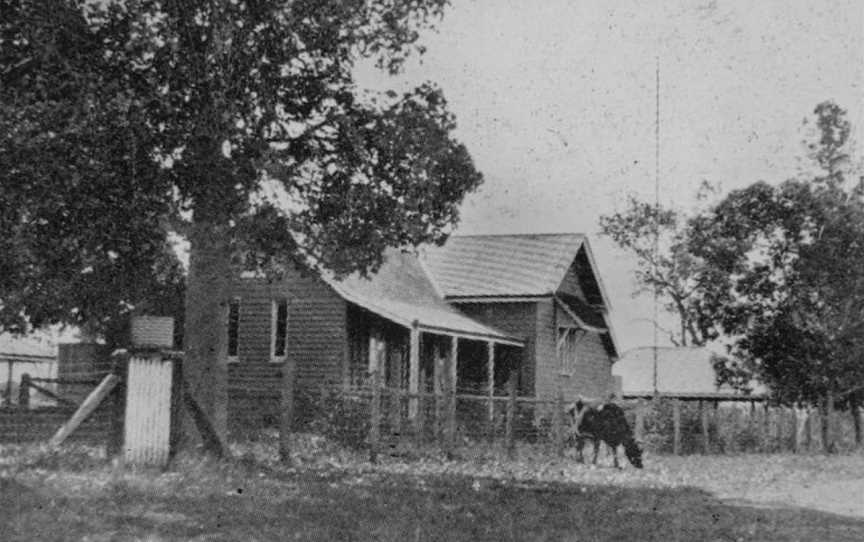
column 379, row 506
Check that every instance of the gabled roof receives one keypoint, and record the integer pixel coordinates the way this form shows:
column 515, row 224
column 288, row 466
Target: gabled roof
column 682, row 371
column 403, row 293
column 507, row 265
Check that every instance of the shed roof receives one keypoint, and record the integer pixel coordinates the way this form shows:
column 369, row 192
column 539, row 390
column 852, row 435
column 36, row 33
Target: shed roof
column 402, row 292
column 683, row 371
column 506, row 265
column 31, row 348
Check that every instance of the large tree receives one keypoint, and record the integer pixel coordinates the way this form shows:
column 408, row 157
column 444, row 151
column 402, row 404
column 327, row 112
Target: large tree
column 236, row 124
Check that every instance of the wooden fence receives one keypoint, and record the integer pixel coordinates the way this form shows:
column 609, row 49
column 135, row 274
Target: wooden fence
column 40, row 410
column 381, row 419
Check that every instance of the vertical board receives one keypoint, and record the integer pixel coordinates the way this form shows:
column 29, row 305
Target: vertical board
column 147, row 428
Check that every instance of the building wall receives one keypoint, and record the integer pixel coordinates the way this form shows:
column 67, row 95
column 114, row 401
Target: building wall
column 592, row 375
column 316, row 343
column 516, row 319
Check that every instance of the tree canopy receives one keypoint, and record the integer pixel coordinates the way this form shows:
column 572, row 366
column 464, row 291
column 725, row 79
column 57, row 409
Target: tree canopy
column 235, row 124
column 658, row 238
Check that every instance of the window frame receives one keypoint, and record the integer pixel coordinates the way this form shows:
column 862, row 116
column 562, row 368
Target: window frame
column 275, row 305
column 568, row 339
column 235, row 357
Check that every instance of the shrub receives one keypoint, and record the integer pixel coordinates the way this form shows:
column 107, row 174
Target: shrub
column 340, row 416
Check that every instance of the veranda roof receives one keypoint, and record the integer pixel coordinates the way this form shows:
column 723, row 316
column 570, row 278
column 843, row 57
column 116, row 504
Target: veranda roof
column 402, row 292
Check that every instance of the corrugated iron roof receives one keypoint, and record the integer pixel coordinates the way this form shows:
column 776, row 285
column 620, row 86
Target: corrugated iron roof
column 503, row 265
column 402, row 292
column 28, row 346
column 680, row 370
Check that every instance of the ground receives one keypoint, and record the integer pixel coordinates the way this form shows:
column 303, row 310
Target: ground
column 73, row 495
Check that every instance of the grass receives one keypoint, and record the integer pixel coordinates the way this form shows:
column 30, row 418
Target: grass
column 80, row 496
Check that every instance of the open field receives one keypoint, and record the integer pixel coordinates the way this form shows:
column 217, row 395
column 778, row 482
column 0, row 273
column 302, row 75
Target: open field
column 76, row 496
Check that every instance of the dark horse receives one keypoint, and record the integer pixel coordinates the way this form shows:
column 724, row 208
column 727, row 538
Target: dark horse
column 607, row 423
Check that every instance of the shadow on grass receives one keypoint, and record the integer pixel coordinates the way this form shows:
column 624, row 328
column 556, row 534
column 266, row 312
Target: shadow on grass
column 341, row 506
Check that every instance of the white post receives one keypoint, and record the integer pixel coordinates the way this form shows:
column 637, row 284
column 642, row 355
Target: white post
column 413, row 371
column 454, row 360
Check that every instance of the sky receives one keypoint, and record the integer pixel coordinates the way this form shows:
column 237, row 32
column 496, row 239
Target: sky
column 557, row 102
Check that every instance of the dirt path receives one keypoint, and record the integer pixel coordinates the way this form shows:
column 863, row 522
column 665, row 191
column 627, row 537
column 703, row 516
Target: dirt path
column 844, row 497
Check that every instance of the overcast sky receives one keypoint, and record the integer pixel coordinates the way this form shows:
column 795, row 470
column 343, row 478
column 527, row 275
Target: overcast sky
column 555, row 99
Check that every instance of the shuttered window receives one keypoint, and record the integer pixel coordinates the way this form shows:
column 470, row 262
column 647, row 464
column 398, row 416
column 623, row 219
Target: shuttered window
column 233, row 329
column 279, row 330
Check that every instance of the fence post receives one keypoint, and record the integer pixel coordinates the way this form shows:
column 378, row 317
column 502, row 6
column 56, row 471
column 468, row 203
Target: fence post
column 558, row 424
column 24, row 391
column 286, row 409
column 176, row 431
column 640, row 421
column 375, row 410
column 706, row 435
column 438, row 386
column 511, row 415
column 120, row 367
column 490, row 376
column 676, row 426
column 420, row 420
column 718, row 427
column 7, row 394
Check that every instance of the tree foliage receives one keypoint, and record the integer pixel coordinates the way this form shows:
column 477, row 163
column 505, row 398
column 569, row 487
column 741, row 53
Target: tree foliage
column 236, row 124
column 794, row 254
column 658, row 238
column 80, row 198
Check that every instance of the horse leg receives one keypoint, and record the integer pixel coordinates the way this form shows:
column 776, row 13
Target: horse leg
column 596, row 450
column 614, row 450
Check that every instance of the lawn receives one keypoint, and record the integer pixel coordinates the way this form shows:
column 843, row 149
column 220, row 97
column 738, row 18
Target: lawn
column 74, row 496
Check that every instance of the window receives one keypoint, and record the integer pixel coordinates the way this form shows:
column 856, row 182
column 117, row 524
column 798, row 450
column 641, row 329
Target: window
column 568, row 338
column 233, row 329
column 279, row 329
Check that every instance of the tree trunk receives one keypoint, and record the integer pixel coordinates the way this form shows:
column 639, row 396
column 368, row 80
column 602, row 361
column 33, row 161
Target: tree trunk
column 855, row 410
column 208, row 288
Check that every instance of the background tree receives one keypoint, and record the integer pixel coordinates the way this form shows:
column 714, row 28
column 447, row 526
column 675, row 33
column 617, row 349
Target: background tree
column 255, row 142
column 81, row 239
column 658, row 238
column 793, row 253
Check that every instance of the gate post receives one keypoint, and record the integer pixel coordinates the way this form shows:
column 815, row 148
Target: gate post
column 120, row 368
column 24, row 392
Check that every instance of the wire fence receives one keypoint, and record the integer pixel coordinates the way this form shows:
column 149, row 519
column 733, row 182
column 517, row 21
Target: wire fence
column 395, row 422
column 384, row 420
